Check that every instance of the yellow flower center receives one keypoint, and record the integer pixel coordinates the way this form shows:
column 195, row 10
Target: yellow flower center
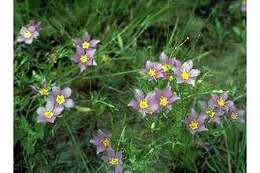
column 221, row 102
column 234, row 116
column 83, row 58
column 27, row 34
column 194, row 124
column 85, row 45
column 105, row 142
column 152, row 72
column 163, row 101
column 165, row 67
column 211, row 113
column 114, row 161
column 60, row 99
column 185, row 75
column 43, row 91
column 48, row 114
column 143, row 104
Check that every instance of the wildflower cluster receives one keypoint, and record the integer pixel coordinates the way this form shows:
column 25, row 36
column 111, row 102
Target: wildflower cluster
column 220, row 105
column 151, row 103
column 157, row 101
column 154, row 102
column 58, row 99
column 112, row 158
column 168, row 68
column 85, row 50
column 213, row 110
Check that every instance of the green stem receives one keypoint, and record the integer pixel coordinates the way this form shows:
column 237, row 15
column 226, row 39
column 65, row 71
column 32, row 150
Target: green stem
column 120, row 139
column 100, row 168
column 76, row 145
column 228, row 153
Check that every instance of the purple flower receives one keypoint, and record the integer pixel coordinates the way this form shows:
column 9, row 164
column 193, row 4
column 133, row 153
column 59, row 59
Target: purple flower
column 60, row 98
column 153, row 70
column 195, row 122
column 102, row 141
column 236, row 115
column 29, row 32
column 86, row 42
column 165, row 97
column 114, row 159
column 48, row 113
column 84, row 58
column 221, row 102
column 185, row 74
column 213, row 114
column 167, row 63
column 144, row 104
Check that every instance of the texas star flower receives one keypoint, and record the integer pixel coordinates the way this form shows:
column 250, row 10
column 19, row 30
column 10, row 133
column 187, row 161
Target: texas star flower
column 167, row 63
column 221, row 102
column 153, row 70
column 195, row 122
column 29, row 32
column 86, row 42
column 61, row 98
column 84, row 58
column 42, row 90
column 48, row 113
column 102, row 141
column 144, row 104
column 213, row 114
column 185, row 74
column 114, row 159
column 236, row 115
column 165, row 97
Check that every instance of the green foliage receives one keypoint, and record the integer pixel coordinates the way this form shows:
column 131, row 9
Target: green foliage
column 131, row 32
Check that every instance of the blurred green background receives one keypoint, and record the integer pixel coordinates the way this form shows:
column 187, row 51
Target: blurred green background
column 130, row 32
